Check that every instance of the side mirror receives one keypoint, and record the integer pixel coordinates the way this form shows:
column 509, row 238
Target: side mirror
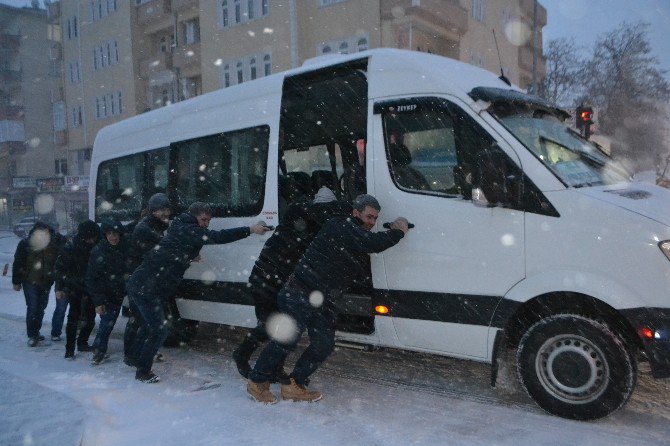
column 497, row 181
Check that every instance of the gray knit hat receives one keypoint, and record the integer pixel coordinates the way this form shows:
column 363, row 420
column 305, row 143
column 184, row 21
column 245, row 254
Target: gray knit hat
column 158, row 201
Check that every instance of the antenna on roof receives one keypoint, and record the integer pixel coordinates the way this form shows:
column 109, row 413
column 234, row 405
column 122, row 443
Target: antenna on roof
column 502, row 75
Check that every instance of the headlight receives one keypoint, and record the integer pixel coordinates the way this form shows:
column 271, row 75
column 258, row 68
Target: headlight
column 665, row 248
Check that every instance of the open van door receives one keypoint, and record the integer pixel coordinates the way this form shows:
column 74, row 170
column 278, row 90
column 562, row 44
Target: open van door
column 449, row 273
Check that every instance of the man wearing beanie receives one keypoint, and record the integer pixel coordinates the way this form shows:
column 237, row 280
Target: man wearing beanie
column 70, row 273
column 146, row 236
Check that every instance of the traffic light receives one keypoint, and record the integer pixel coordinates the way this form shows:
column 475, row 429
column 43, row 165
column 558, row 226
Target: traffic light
column 584, row 120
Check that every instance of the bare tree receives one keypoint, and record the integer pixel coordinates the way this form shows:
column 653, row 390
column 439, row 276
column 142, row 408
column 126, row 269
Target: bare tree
column 562, row 82
column 624, row 82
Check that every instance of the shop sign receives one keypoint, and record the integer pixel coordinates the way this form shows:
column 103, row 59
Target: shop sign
column 77, row 183
column 53, row 184
column 23, row 182
column 22, row 204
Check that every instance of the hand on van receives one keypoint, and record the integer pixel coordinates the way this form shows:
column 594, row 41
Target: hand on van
column 259, row 228
column 400, row 223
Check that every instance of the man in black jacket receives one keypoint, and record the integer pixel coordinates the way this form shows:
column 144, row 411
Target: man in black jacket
column 161, row 272
column 145, row 237
column 296, row 230
column 33, row 271
column 108, row 268
column 70, row 283
column 329, row 266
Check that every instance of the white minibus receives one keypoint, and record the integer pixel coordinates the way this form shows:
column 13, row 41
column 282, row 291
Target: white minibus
column 526, row 236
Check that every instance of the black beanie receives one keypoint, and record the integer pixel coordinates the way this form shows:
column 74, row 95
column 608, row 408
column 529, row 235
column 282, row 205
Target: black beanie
column 158, row 201
column 88, row 229
column 111, row 224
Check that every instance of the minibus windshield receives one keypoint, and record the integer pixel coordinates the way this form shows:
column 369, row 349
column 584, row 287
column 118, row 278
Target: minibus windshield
column 575, row 160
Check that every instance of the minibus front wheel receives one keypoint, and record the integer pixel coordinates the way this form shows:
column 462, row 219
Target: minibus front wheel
column 575, row 367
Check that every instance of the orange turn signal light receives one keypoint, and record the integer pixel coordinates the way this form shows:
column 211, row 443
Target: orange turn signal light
column 647, row 333
column 381, row 309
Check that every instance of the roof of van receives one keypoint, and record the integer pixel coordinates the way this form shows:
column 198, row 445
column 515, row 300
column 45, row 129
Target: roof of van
column 417, row 72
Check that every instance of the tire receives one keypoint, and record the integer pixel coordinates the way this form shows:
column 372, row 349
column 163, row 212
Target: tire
column 575, row 367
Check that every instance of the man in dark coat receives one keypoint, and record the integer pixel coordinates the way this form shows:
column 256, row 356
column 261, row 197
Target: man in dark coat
column 296, row 230
column 108, row 268
column 145, row 237
column 70, row 273
column 161, row 272
column 329, row 266
column 33, row 270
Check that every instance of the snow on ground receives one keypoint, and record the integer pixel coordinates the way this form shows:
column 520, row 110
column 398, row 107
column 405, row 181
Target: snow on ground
column 382, row 397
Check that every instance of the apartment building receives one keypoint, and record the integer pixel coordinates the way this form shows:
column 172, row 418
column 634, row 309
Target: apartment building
column 31, row 112
column 124, row 57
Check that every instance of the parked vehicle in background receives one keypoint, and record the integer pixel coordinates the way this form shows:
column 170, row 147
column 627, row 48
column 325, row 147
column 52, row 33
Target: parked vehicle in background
column 22, row 228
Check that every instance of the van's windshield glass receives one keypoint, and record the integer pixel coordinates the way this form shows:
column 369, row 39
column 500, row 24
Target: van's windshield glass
column 575, row 160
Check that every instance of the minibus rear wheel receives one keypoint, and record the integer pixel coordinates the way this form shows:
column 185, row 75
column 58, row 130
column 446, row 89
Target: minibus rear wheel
column 575, row 367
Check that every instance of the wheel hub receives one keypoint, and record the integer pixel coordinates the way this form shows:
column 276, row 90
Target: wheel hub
column 572, row 369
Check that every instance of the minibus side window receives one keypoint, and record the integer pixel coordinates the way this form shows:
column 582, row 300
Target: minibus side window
column 226, row 170
column 157, row 170
column 119, row 187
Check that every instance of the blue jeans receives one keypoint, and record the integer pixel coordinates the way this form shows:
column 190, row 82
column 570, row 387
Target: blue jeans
column 320, row 325
column 107, row 321
column 152, row 332
column 58, row 316
column 37, row 298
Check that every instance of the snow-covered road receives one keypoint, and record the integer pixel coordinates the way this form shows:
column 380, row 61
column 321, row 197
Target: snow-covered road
column 381, row 397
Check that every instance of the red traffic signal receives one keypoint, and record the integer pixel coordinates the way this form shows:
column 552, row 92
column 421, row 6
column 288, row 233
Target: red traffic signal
column 584, row 119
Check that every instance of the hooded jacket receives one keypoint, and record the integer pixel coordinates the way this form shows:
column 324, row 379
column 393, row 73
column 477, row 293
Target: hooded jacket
column 34, row 265
column 108, row 268
column 70, row 268
column 162, row 269
column 146, row 235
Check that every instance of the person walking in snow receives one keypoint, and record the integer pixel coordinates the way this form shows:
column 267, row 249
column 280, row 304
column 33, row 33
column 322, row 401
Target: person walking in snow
column 161, row 272
column 70, row 275
column 109, row 265
column 145, row 237
column 297, row 228
column 329, row 266
column 33, row 271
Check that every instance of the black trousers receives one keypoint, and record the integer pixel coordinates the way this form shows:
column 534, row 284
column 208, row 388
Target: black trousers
column 265, row 303
column 80, row 318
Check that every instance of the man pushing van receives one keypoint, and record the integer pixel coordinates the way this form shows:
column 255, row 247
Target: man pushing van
column 328, row 267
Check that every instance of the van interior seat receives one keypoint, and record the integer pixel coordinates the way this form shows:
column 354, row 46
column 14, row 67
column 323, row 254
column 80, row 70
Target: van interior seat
column 302, row 183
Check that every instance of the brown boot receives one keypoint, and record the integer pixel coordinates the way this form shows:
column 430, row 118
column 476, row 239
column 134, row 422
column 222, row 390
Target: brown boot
column 296, row 392
column 261, row 392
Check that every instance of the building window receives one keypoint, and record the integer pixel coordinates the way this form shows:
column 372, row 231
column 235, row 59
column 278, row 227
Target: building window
column 59, row 115
column 191, row 32
column 265, row 7
column 76, row 116
column 238, row 12
column 362, row 44
column 250, row 9
column 326, row 49
column 252, row 68
column 226, row 76
column 240, row 73
column 479, row 10
column 344, row 48
column 60, row 166
column 267, row 65
column 346, row 45
column 225, row 17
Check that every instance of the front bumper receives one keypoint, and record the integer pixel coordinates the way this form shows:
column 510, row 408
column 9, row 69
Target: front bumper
column 653, row 328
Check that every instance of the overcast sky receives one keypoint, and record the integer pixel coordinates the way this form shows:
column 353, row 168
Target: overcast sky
column 585, row 20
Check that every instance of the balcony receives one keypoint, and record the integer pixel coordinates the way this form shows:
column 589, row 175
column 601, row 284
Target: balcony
column 11, row 113
column 155, row 64
column 187, row 56
column 526, row 60
column 526, row 7
column 53, row 11
column 154, row 12
column 185, row 5
column 446, row 16
column 60, row 137
column 9, row 41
